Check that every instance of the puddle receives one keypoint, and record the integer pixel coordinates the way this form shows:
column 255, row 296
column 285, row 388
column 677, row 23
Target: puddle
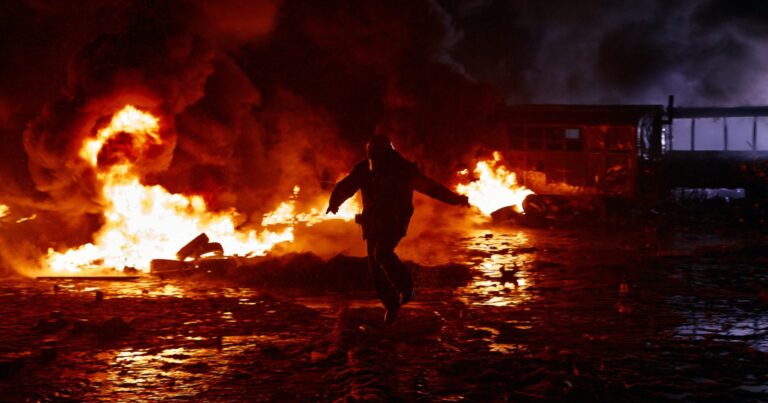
column 725, row 323
column 493, row 345
column 502, row 265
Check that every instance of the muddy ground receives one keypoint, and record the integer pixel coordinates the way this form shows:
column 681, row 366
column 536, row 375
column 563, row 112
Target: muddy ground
column 640, row 314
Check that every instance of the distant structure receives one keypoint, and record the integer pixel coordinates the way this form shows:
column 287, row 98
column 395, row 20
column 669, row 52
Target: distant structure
column 716, row 147
column 636, row 151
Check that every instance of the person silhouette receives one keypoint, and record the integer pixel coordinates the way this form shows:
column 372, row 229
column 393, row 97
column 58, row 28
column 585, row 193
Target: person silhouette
column 387, row 181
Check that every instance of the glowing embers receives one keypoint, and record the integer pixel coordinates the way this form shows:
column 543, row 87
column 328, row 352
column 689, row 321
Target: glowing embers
column 494, row 187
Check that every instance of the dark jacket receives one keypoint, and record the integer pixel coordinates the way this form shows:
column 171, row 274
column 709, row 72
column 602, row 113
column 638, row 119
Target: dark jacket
column 388, row 194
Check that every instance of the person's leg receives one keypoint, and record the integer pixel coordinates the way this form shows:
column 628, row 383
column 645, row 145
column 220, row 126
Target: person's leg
column 399, row 273
column 386, row 291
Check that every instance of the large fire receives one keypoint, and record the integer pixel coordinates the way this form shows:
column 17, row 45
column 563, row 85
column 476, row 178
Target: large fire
column 494, row 187
column 142, row 222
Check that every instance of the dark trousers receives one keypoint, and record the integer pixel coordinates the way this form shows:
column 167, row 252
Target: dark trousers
column 390, row 276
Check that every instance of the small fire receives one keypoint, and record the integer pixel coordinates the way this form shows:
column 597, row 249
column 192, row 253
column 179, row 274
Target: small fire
column 286, row 212
column 494, row 188
column 4, row 210
column 142, row 222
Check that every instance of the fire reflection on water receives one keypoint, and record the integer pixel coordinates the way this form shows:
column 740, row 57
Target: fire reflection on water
column 176, row 372
column 152, row 287
column 502, row 264
column 493, row 345
column 148, row 287
column 130, row 368
column 724, row 322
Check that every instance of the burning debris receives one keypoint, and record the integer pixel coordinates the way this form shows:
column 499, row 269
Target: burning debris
column 548, row 210
column 286, row 213
column 142, row 222
column 495, row 187
column 200, row 254
column 198, row 247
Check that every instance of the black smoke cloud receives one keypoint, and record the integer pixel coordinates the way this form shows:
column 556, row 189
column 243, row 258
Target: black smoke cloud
column 143, row 53
column 380, row 66
column 708, row 52
column 259, row 96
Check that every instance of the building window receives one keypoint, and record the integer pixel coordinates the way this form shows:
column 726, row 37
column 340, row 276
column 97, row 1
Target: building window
column 554, row 139
column 572, row 134
column 573, row 140
column 535, row 137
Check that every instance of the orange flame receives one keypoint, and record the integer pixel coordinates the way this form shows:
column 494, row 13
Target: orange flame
column 286, row 212
column 142, row 222
column 494, row 188
column 4, row 210
column 143, row 126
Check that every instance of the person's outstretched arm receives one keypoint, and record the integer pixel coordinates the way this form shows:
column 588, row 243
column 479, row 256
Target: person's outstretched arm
column 435, row 190
column 343, row 190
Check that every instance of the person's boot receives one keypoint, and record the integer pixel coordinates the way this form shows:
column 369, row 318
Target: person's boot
column 390, row 313
column 407, row 296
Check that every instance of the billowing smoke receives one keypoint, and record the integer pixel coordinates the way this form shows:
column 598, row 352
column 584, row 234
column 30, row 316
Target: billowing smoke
column 146, row 54
column 706, row 52
column 258, row 96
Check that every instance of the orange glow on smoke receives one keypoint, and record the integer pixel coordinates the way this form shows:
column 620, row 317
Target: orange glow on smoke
column 143, row 127
column 142, row 222
column 494, row 187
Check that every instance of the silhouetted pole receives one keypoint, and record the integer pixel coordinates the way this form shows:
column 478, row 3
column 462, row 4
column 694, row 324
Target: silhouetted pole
column 754, row 133
column 693, row 134
column 670, row 119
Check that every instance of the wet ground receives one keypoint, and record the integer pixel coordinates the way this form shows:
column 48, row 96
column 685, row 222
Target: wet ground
column 640, row 314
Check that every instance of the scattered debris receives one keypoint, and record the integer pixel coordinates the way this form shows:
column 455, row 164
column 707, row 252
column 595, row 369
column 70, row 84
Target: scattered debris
column 168, row 265
column 197, row 256
column 198, row 247
column 49, row 351
column 547, row 210
column 113, row 328
column 80, row 326
column 130, row 270
column 217, row 265
column 11, row 363
column 51, row 325
column 56, row 288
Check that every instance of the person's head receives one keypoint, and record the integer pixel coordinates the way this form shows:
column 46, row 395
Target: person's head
column 378, row 146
